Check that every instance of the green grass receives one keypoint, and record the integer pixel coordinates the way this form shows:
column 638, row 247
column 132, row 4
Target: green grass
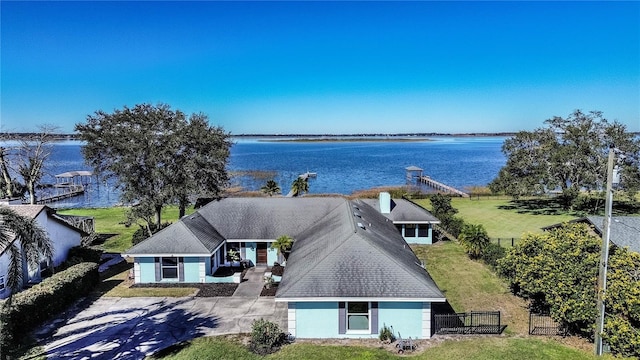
column 109, row 222
column 486, row 348
column 118, row 284
column 503, row 218
column 471, row 285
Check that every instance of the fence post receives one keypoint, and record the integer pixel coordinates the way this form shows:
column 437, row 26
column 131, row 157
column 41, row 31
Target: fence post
column 498, row 241
column 512, row 242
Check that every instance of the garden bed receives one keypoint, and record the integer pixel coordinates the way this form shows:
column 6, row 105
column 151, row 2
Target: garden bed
column 269, row 292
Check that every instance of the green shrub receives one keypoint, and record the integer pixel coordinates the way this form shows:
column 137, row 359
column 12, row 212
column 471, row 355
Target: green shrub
column 492, row 253
column 31, row 307
column 386, row 334
column 266, row 337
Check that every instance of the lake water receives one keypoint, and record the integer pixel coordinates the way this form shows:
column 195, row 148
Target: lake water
column 341, row 167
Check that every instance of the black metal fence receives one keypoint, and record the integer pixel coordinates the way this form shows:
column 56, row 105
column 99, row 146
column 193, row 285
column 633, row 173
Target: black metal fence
column 505, row 242
column 475, row 322
column 543, row 324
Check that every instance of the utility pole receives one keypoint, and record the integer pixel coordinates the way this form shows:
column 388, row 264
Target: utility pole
column 604, row 254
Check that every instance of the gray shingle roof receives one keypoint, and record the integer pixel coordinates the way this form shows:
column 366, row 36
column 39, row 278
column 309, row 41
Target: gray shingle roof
column 266, row 218
column 625, row 230
column 331, row 257
column 336, row 258
column 405, row 211
column 193, row 235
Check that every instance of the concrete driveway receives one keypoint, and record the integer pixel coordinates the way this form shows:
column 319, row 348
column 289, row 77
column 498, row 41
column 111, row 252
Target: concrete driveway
column 132, row 328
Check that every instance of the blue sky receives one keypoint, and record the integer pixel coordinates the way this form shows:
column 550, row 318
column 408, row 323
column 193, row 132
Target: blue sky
column 322, row 67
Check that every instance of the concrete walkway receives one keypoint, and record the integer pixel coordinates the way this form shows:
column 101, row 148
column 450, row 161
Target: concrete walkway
column 253, row 284
column 133, row 328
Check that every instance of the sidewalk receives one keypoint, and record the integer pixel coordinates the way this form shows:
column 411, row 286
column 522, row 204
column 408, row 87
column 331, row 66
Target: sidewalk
column 252, row 286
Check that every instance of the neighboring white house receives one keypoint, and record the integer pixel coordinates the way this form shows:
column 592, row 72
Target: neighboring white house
column 63, row 237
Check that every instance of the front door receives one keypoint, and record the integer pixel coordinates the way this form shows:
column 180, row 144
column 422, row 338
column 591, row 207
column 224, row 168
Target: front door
column 261, row 256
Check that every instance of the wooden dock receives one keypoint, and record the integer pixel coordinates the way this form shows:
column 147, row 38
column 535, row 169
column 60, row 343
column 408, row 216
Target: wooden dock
column 67, row 192
column 442, row 187
column 415, row 175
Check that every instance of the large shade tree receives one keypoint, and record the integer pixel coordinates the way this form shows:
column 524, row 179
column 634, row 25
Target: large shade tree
column 156, row 155
column 569, row 154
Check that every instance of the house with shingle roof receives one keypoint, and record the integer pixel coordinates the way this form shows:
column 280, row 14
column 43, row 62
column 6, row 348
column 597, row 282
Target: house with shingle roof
column 624, row 230
column 349, row 271
column 412, row 221
column 63, row 236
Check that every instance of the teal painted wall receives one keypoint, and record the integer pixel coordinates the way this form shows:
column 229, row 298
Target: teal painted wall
column 405, row 318
column 317, row 320
column 272, row 255
column 147, row 269
column 320, row 320
column 192, row 269
column 428, row 240
column 251, row 251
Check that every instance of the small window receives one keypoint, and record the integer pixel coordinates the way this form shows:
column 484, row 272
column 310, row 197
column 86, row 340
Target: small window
column 423, row 230
column 410, row 230
column 358, row 316
column 2, row 284
column 169, row 267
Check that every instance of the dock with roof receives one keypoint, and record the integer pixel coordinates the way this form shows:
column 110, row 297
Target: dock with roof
column 69, row 184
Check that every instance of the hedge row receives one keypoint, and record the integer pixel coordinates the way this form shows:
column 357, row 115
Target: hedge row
column 33, row 306
column 78, row 254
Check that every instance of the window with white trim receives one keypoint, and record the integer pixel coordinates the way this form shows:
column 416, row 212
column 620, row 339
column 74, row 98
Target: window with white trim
column 423, row 230
column 169, row 268
column 358, row 316
column 410, row 230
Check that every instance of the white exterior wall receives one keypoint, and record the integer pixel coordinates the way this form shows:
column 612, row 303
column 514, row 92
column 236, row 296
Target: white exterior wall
column 62, row 237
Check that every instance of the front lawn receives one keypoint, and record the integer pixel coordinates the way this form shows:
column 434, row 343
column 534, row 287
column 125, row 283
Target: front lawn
column 480, row 348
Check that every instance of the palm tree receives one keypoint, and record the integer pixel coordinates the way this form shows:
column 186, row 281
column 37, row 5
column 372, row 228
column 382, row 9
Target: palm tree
column 271, row 188
column 283, row 244
column 474, row 239
column 299, row 186
column 35, row 243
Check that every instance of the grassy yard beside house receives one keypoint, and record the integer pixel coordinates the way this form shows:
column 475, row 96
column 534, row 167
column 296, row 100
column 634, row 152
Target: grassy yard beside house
column 503, row 218
column 471, row 285
column 109, row 223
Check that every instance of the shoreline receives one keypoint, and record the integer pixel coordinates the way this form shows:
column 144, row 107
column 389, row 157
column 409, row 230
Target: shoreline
column 337, row 139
